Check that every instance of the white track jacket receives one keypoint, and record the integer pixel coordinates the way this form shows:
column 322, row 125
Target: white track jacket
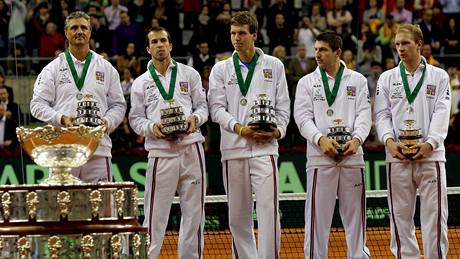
column 224, row 103
column 431, row 107
column 351, row 105
column 146, row 103
column 55, row 94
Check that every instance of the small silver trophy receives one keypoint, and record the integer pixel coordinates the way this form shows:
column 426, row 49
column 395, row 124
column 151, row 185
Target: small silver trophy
column 173, row 119
column 410, row 135
column 340, row 133
column 262, row 113
column 87, row 111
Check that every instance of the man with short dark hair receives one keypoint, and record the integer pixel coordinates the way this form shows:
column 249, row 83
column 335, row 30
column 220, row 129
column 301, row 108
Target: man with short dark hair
column 333, row 96
column 249, row 154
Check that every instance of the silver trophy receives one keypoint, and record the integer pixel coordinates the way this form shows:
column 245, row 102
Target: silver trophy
column 409, row 136
column 173, row 119
column 340, row 133
column 87, row 112
column 262, row 113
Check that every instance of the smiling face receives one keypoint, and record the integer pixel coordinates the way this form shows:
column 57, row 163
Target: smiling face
column 78, row 32
column 242, row 39
column 159, row 46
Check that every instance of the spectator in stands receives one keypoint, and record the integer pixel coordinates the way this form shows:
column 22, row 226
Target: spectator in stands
column 140, row 12
column 12, row 110
column 100, row 36
column 299, row 66
column 372, row 79
column 452, row 38
column 349, row 58
column 80, row 71
column 4, row 20
column 373, row 16
column 389, row 63
column 128, row 75
column 17, row 27
column 94, row 10
column 112, row 14
column 255, row 8
column 280, row 34
column 368, row 52
column 432, row 33
column 51, row 42
column 127, row 32
column 386, row 35
column 401, row 14
column 59, row 11
column 37, row 25
column 222, row 30
column 280, row 53
column 280, row 7
column 8, row 89
column 340, row 20
column 427, row 54
column 454, row 82
column 202, row 58
column 8, row 139
column 130, row 60
column 306, row 35
column 451, row 8
column 317, row 18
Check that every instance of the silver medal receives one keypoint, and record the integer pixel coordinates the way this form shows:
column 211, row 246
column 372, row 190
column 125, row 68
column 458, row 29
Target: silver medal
column 330, row 112
column 79, row 96
column 243, row 101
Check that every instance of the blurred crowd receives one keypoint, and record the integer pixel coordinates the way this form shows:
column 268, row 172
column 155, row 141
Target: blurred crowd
column 200, row 32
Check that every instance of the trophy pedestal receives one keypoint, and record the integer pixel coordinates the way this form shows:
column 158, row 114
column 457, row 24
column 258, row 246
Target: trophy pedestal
column 61, row 175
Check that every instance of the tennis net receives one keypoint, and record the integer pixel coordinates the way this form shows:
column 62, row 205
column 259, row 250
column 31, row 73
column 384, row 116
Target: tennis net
column 218, row 238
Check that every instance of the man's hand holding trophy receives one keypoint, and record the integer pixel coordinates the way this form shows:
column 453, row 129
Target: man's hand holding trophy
column 262, row 125
column 338, row 143
column 173, row 123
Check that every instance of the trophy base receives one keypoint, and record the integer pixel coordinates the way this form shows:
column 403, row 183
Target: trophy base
column 61, row 176
column 409, row 151
column 263, row 126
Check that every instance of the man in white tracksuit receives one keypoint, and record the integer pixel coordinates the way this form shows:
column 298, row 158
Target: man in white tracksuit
column 415, row 90
column 80, row 71
column 329, row 93
column 249, row 155
column 175, row 164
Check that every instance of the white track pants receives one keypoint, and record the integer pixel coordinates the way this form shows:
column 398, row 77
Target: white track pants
column 186, row 175
column 403, row 180
column 98, row 169
column 324, row 185
column 242, row 178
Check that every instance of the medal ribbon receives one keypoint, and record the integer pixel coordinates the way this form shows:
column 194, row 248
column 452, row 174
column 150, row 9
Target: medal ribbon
column 172, row 82
column 244, row 85
column 78, row 80
column 411, row 96
column 330, row 97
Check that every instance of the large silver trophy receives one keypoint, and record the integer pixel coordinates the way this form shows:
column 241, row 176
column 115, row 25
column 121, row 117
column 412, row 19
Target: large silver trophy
column 87, row 111
column 63, row 217
column 340, row 133
column 262, row 113
column 173, row 119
